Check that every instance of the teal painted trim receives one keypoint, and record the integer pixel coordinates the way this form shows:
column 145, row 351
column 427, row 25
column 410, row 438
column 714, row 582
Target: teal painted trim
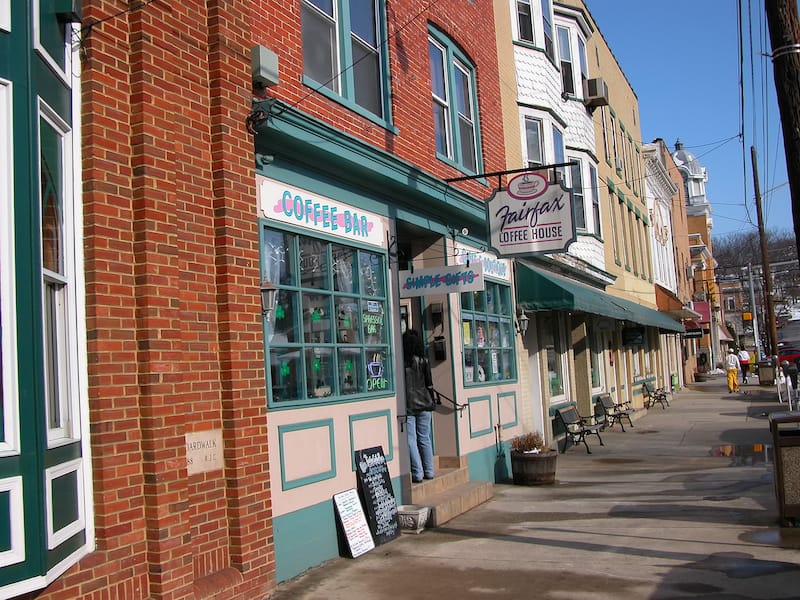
column 304, row 539
column 636, row 211
column 515, row 422
column 629, row 203
column 66, row 548
column 298, row 139
column 367, row 417
column 617, row 262
column 307, row 537
column 61, row 454
column 628, row 268
column 612, row 112
column 490, row 464
column 349, row 104
column 590, row 234
column 470, row 401
column 329, row 474
column 620, row 195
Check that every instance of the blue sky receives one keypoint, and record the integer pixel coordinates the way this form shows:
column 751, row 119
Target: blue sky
column 682, row 60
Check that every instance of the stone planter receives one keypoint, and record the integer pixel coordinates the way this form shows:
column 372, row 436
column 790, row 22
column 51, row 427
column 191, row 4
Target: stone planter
column 534, row 469
column 412, row 517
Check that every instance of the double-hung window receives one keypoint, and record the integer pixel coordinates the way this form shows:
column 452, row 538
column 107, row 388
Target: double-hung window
column 58, row 306
column 524, row 21
column 533, row 142
column 343, row 52
column 488, row 335
column 595, row 192
column 565, row 58
column 328, row 333
column 547, row 25
column 578, row 193
column 558, row 151
column 454, row 102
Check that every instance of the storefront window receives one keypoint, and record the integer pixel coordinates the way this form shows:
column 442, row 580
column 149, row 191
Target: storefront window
column 327, row 336
column 550, row 338
column 488, row 335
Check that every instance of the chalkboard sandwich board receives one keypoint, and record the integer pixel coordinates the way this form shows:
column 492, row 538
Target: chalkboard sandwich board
column 375, row 489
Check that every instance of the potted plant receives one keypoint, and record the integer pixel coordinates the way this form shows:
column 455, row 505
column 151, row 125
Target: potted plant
column 532, row 462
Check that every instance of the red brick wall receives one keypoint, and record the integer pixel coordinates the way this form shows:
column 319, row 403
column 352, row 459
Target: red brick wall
column 469, row 23
column 175, row 338
column 172, row 267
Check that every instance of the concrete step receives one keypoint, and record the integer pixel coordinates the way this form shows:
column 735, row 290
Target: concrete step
column 456, row 501
column 450, row 493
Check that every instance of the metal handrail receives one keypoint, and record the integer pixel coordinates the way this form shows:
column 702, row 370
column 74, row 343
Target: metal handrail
column 438, row 396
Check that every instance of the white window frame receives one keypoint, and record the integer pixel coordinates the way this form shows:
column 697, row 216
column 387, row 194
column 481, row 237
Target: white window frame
column 565, row 60
column 9, row 442
column 539, row 130
column 578, row 192
column 530, row 18
column 66, row 328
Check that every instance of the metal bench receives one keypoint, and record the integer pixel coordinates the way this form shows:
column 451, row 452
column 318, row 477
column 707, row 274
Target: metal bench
column 612, row 412
column 576, row 427
column 654, row 396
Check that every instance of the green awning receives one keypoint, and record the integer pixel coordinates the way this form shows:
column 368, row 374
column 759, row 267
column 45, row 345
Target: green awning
column 540, row 290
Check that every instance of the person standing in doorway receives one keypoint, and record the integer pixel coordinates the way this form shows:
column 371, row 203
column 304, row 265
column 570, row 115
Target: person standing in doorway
column 419, row 404
column 732, row 367
column 744, row 361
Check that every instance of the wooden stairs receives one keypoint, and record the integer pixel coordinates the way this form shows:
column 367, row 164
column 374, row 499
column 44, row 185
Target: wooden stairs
column 450, row 493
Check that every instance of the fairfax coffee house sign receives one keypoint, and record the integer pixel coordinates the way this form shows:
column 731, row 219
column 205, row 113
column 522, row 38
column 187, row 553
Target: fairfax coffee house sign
column 530, row 215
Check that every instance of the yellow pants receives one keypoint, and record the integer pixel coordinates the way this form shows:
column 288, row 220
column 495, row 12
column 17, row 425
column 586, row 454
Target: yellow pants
column 733, row 380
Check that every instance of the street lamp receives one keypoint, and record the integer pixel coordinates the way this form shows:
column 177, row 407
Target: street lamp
column 522, row 321
column 269, row 294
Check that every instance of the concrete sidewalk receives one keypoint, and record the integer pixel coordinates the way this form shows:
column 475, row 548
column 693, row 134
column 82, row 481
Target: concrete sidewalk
column 680, row 506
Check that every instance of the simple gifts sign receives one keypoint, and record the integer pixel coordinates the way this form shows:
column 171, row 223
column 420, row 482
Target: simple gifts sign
column 530, row 216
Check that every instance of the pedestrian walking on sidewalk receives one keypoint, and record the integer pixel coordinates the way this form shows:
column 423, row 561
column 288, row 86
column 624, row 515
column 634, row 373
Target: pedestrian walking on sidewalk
column 732, row 366
column 744, row 361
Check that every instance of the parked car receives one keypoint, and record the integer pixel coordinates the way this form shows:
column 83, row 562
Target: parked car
column 790, row 352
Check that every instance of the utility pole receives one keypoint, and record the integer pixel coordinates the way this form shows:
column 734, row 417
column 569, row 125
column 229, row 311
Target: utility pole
column 754, row 313
column 784, row 33
column 772, row 327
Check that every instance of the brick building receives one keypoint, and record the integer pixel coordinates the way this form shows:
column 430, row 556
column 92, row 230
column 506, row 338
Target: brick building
column 164, row 434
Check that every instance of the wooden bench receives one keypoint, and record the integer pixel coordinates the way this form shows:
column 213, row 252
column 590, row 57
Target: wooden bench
column 654, row 396
column 612, row 412
column 576, row 427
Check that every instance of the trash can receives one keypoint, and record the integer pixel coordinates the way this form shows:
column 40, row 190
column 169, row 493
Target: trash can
column 785, row 428
column 674, row 382
column 766, row 372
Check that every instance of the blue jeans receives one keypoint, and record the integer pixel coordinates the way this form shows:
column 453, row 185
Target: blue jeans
column 420, row 445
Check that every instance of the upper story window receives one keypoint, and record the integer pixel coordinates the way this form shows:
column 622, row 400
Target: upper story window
column 583, row 62
column 595, row 192
column 533, row 142
column 547, row 24
column 454, row 103
column 578, row 193
column 58, row 285
column 565, row 58
column 558, row 151
column 342, row 50
column 524, row 20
